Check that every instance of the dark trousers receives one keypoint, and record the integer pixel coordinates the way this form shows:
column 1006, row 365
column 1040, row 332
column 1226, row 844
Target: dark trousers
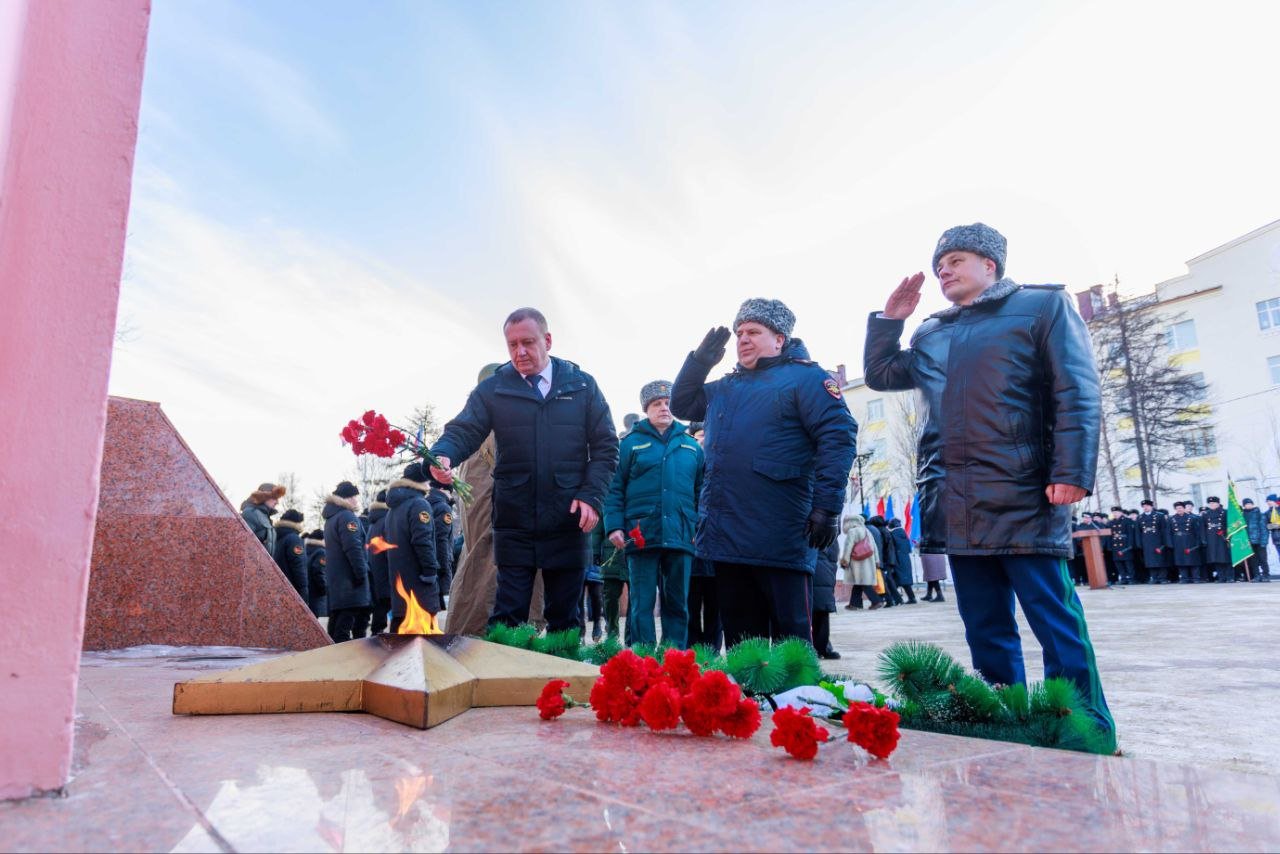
column 986, row 588
column 613, row 588
column 343, row 623
column 593, row 603
column 1124, row 571
column 563, row 589
column 1258, row 568
column 891, row 594
column 856, row 592
column 822, row 631
column 378, row 623
column 704, row 612
column 763, row 602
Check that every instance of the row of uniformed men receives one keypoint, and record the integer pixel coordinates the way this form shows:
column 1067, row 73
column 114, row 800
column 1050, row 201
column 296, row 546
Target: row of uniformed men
column 1187, row 547
column 345, row 571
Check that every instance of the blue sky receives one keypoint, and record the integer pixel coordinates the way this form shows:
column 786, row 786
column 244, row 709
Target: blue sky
column 336, row 203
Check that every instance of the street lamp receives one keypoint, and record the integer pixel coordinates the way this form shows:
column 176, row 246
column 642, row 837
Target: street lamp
column 864, row 457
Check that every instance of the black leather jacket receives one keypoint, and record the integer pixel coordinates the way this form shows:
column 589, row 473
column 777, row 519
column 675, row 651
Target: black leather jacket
column 1008, row 392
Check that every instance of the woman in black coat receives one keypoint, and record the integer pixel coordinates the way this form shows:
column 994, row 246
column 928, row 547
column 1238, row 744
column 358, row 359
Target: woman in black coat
column 824, row 600
column 879, row 531
column 902, row 559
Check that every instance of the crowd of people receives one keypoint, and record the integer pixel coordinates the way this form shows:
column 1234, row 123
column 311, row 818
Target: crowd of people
column 726, row 524
column 1152, row 546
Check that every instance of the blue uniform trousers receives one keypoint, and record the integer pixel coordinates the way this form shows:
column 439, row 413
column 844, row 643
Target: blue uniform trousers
column 654, row 572
column 985, row 589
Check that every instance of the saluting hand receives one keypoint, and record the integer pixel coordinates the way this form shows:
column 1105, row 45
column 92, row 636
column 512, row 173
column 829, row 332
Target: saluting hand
column 711, row 350
column 587, row 515
column 904, row 299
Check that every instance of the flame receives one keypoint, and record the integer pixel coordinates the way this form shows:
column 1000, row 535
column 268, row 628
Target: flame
column 378, row 545
column 417, row 620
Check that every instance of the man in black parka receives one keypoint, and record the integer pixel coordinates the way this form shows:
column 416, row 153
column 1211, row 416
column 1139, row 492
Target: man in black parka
column 556, row 451
column 412, row 530
column 347, row 570
column 1009, row 395
column 317, row 592
column 290, row 553
column 379, row 568
column 442, row 524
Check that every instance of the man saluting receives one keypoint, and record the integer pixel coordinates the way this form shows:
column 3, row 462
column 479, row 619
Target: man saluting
column 1011, row 406
column 555, row 453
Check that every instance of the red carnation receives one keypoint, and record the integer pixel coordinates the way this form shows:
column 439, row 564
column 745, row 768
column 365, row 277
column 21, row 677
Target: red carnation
column 744, row 721
column 696, row 718
column 873, row 729
column 628, row 670
column 715, row 694
column 551, row 701
column 636, row 537
column 660, row 707
column 797, row 733
column 681, row 667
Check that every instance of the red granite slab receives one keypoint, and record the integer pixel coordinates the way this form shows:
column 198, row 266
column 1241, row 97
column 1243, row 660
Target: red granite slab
column 172, row 561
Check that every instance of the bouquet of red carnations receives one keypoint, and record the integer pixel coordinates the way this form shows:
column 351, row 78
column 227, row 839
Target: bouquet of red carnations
column 371, row 433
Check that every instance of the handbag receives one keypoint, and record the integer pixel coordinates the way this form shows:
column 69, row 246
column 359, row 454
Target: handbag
column 863, row 548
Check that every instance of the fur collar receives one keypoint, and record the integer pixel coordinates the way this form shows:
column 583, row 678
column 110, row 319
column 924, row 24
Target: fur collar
column 996, row 292
column 424, row 488
column 379, row 505
column 352, row 503
column 319, row 544
column 297, row 526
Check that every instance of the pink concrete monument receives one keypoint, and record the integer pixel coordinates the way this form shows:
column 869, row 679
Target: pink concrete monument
column 172, row 561
column 70, row 82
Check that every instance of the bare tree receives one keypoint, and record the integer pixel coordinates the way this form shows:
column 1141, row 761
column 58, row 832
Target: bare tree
column 904, row 430
column 319, row 497
column 1161, row 408
column 424, row 418
column 293, row 499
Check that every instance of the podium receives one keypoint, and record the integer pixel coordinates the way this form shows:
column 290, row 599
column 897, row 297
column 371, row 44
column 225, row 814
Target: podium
column 1094, row 563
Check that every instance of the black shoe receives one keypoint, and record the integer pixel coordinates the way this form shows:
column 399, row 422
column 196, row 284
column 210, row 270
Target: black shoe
column 830, row 655
column 940, row 598
column 853, row 607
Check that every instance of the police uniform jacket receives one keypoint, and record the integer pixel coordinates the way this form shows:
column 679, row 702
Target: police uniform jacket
column 656, row 487
column 779, row 442
column 1124, row 538
column 1216, row 547
column 379, row 563
column 1184, row 532
column 410, row 526
column 549, row 452
column 1153, row 539
column 291, row 555
column 317, row 592
column 442, row 533
column 347, row 568
column 1010, row 402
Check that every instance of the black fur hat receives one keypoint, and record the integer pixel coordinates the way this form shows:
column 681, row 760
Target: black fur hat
column 291, row 516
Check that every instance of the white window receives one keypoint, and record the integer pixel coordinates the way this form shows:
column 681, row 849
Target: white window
column 1180, row 336
column 1273, row 367
column 1199, row 442
column 1269, row 313
column 875, row 409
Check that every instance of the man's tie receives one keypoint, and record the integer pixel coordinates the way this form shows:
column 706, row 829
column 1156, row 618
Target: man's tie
column 532, row 380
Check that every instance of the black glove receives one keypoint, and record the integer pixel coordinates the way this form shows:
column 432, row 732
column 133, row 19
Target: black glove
column 711, row 350
column 822, row 528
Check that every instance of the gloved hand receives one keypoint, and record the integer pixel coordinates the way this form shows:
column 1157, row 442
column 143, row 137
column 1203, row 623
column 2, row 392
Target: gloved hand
column 711, row 350
column 822, row 528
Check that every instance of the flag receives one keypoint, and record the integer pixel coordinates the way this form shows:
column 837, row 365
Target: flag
column 418, row 442
column 888, row 508
column 906, row 516
column 1237, row 535
column 866, row 510
column 880, row 506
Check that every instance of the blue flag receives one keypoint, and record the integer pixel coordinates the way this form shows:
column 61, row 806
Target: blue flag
column 888, row 508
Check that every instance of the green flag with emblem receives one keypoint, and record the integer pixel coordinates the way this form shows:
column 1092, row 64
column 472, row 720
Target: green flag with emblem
column 1236, row 533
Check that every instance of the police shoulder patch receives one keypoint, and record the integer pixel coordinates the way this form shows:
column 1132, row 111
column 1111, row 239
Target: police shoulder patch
column 447, row 518
column 352, row 527
column 297, row 550
column 424, row 516
column 832, row 387
column 323, row 562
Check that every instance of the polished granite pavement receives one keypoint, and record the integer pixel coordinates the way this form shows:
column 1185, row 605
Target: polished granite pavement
column 499, row 779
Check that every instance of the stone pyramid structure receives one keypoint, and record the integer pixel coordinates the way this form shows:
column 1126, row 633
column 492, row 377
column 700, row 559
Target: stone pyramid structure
column 172, row 561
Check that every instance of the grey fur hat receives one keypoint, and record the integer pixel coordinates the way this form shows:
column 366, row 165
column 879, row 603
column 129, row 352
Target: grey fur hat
column 977, row 238
column 767, row 312
column 655, row 390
